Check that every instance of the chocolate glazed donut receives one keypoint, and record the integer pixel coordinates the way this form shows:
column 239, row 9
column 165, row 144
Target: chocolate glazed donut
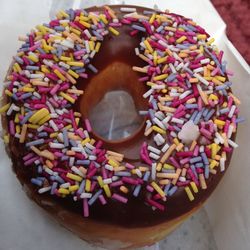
column 116, row 224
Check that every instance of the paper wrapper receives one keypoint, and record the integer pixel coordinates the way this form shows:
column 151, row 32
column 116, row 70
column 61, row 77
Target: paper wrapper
column 229, row 206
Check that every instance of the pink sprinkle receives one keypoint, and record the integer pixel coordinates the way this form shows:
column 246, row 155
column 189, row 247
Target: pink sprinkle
column 130, row 166
column 119, row 198
column 150, row 188
column 116, row 184
column 102, row 199
column 129, row 180
column 196, row 150
column 155, row 204
column 28, row 156
column 85, row 208
column 88, row 126
column 185, row 160
column 12, row 127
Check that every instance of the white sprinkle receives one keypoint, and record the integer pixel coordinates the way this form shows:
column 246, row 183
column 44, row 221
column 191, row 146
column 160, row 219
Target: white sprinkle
column 153, row 171
column 230, row 131
column 85, row 195
column 159, row 123
column 56, row 145
column 48, row 170
column 222, row 164
column 159, row 115
column 179, row 66
column 137, row 52
column 71, row 161
column 138, row 172
column 115, row 178
column 198, row 70
column 231, row 112
column 53, row 125
column 176, row 120
column 201, row 79
column 219, row 137
column 129, row 10
column 92, row 157
column 185, row 94
column 172, row 67
column 67, row 43
column 154, row 156
column 182, row 178
column 149, row 124
column 65, row 185
column 107, row 181
column 154, row 150
column 77, row 171
column 205, row 61
column 43, row 190
column 148, row 93
column 108, row 167
column 165, row 148
column 159, row 140
column 232, row 143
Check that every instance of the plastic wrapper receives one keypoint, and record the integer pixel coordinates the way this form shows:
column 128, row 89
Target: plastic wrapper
column 225, row 221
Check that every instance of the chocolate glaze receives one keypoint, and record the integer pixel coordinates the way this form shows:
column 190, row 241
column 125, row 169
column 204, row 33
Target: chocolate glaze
column 135, row 214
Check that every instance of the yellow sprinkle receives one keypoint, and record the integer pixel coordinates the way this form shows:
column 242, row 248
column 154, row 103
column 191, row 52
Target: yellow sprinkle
column 168, row 166
column 148, row 46
column 189, row 193
column 107, row 190
column 210, row 41
column 194, row 187
column 77, row 64
column 59, row 74
column 39, row 115
column 114, row 31
column 85, row 141
column 113, row 163
column 23, row 133
column 65, row 58
column 201, row 36
column 4, row 108
column 181, row 39
column 159, row 166
column 8, row 93
column 28, row 89
column 213, row 97
column 100, row 181
column 73, row 188
column 88, row 185
column 33, row 126
column 44, row 69
column 45, row 119
column 17, row 66
column 152, row 18
column 214, row 150
column 219, row 122
column 91, row 45
column 74, row 177
column 97, row 47
column 168, row 153
column 202, row 181
column 76, row 31
column 213, row 164
column 72, row 73
column 6, row 139
column 162, row 60
column 33, row 58
column 103, row 19
column 158, row 189
column 63, row 191
column 160, row 77
column 85, row 24
column 158, row 130
column 67, row 97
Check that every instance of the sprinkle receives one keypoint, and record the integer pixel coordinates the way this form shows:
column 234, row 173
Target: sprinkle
column 119, row 198
column 189, row 193
column 158, row 189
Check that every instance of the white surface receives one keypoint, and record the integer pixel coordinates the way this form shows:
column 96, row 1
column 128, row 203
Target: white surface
column 25, row 226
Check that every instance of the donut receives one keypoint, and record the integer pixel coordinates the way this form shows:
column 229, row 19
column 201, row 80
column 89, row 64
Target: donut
column 132, row 191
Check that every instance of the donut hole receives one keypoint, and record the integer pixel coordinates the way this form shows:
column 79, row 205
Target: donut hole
column 115, row 117
column 111, row 101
